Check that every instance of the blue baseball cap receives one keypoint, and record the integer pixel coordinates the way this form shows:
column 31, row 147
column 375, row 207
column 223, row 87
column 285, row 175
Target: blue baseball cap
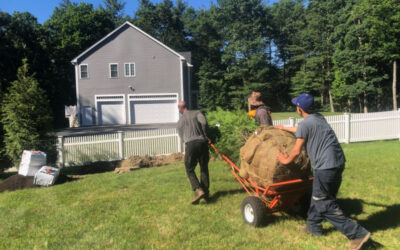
column 304, row 101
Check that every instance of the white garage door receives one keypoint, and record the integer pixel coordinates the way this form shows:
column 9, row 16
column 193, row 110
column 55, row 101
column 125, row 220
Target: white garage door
column 110, row 110
column 146, row 109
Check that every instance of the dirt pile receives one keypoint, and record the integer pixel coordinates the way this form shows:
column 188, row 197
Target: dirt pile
column 135, row 162
column 16, row 182
column 258, row 157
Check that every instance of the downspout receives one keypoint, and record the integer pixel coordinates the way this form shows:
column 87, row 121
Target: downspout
column 182, row 97
column 78, row 106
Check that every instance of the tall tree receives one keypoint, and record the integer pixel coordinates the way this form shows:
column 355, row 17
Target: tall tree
column 72, row 29
column 26, row 116
column 116, row 9
column 289, row 20
column 317, row 74
column 164, row 21
column 246, row 36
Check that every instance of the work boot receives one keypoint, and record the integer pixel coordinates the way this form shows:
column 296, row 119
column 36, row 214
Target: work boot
column 198, row 194
column 357, row 243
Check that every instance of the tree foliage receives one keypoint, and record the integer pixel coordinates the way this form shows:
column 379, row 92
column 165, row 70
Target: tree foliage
column 26, row 116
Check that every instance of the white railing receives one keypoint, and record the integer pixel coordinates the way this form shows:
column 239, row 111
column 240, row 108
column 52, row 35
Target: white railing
column 79, row 150
column 360, row 127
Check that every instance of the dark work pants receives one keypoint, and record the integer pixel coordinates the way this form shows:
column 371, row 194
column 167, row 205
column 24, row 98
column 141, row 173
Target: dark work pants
column 324, row 207
column 197, row 152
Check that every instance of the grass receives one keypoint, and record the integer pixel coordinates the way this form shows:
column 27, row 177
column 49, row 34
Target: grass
column 149, row 208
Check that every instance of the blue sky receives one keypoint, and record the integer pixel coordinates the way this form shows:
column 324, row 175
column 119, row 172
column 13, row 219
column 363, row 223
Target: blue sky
column 42, row 9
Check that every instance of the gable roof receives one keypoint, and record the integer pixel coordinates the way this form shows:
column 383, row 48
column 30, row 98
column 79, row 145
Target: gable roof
column 75, row 60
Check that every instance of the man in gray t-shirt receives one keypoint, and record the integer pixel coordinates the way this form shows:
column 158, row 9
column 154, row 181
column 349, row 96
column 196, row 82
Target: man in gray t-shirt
column 192, row 129
column 327, row 160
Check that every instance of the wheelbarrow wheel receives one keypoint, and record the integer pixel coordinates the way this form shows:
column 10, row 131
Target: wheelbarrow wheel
column 254, row 211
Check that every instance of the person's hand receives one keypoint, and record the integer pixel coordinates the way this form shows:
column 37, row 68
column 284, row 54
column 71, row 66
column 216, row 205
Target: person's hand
column 283, row 158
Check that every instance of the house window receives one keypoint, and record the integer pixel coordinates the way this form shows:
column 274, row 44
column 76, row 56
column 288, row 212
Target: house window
column 113, row 70
column 129, row 69
column 84, row 71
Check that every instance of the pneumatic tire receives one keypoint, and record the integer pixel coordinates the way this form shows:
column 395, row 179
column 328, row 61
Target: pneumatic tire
column 254, row 211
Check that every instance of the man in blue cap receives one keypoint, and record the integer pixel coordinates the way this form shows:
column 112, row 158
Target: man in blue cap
column 327, row 159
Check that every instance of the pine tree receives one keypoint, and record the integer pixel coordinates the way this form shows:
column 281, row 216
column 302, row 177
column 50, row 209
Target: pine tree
column 26, row 117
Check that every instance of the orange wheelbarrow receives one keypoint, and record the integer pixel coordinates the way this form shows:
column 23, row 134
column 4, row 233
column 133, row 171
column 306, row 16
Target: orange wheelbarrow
column 277, row 197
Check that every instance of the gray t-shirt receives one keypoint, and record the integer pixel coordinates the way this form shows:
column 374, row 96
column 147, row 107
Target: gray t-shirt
column 322, row 145
column 262, row 116
column 192, row 126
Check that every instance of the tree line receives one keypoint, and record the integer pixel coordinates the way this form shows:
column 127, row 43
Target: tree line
column 343, row 52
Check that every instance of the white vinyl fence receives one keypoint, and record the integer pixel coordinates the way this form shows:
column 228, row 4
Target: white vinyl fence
column 360, row 127
column 78, row 150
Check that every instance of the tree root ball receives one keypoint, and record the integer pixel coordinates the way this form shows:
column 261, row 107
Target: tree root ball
column 258, row 157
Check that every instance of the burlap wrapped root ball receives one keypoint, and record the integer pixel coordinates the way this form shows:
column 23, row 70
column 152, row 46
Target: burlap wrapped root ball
column 258, row 157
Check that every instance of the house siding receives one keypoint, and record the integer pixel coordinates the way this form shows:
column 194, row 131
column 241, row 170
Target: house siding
column 157, row 69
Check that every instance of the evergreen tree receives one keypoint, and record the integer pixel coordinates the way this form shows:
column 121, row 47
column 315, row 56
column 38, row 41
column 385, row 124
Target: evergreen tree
column 26, row 116
column 246, row 37
column 317, row 74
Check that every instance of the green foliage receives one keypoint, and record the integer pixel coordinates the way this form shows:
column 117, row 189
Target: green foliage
column 229, row 131
column 26, row 117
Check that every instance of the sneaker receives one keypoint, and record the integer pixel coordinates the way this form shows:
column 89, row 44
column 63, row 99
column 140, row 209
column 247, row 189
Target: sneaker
column 357, row 243
column 198, row 194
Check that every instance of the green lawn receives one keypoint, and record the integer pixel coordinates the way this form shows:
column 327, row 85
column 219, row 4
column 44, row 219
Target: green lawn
column 149, row 208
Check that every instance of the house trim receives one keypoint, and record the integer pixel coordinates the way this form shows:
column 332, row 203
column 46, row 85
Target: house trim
column 78, row 106
column 152, row 97
column 181, row 68
column 111, row 99
column 75, row 60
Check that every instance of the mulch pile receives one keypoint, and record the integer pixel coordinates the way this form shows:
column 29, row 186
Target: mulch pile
column 16, row 182
column 136, row 162
column 258, row 157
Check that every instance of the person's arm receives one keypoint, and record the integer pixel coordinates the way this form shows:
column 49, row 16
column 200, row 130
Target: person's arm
column 202, row 120
column 290, row 129
column 286, row 159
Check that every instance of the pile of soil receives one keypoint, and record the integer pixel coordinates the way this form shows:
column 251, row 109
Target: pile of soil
column 258, row 157
column 16, row 182
column 135, row 162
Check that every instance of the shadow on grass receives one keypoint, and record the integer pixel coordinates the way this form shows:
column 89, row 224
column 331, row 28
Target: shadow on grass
column 381, row 220
column 215, row 196
column 93, row 168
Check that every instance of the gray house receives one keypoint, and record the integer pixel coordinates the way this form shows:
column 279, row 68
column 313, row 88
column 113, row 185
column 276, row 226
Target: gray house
column 129, row 77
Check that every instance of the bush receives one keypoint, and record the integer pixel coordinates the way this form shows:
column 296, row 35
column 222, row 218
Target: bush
column 229, row 130
column 25, row 115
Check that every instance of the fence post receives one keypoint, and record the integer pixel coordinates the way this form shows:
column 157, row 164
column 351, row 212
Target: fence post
column 292, row 121
column 347, row 128
column 121, row 144
column 179, row 142
column 60, row 149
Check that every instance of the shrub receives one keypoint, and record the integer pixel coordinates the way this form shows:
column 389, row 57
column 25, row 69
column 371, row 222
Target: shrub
column 229, row 130
column 26, row 118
